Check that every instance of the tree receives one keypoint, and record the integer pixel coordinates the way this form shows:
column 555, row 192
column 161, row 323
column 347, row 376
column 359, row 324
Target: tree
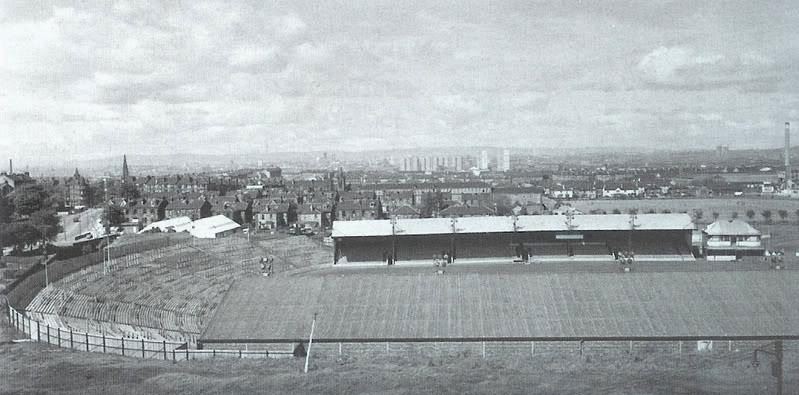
column 616, row 211
column 160, row 212
column 292, row 213
column 115, row 215
column 666, row 211
column 750, row 214
column 504, row 206
column 632, row 211
column 30, row 198
column 715, row 216
column 46, row 223
column 432, row 203
column 129, row 191
column 205, row 209
column 698, row 214
column 651, row 211
column 6, row 209
column 766, row 215
column 783, row 214
column 18, row 234
column 734, row 215
column 94, row 194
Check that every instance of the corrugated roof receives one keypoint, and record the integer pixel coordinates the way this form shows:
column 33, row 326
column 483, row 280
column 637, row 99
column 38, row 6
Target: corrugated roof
column 361, row 228
column 484, row 224
column 167, row 223
column 524, row 223
column 217, row 223
column 423, row 226
column 731, row 228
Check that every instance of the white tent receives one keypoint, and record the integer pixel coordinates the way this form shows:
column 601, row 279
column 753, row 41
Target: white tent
column 168, row 224
column 211, row 227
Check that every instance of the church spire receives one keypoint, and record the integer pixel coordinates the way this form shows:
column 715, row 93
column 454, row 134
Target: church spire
column 125, row 172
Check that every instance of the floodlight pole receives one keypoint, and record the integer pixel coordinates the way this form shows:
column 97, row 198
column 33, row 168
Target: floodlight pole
column 310, row 342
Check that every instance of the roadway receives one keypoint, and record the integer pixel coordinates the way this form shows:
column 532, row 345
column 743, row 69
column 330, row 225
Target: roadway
column 88, row 221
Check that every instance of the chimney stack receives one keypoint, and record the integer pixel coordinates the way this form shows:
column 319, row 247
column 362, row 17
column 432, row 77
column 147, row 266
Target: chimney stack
column 10, row 166
column 788, row 180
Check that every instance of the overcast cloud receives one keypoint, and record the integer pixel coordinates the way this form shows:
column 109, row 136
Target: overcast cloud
column 108, row 77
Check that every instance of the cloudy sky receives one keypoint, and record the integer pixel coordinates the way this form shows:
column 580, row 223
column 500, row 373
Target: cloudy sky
column 95, row 78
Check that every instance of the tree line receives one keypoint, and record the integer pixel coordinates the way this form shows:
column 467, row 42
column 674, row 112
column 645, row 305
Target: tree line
column 28, row 217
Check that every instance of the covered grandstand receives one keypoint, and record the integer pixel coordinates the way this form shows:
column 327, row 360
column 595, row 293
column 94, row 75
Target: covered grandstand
column 533, row 238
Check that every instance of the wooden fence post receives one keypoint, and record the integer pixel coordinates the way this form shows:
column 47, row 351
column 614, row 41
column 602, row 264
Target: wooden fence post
column 484, row 350
column 123, row 346
column 142, row 348
column 48, row 334
column 87, row 341
column 103, row 342
column 71, row 343
column 164, row 350
column 38, row 332
column 532, row 348
column 58, row 332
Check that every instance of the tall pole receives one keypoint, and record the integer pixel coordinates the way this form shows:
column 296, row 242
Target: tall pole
column 107, row 226
column 778, row 367
column 310, row 342
column 788, row 180
column 44, row 251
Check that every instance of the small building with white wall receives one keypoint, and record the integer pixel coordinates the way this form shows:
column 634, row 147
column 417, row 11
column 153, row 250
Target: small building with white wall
column 728, row 240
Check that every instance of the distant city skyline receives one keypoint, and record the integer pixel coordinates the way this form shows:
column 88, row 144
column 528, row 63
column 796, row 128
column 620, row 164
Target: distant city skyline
column 85, row 81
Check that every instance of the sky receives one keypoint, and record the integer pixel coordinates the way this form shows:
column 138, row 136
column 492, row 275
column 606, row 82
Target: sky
column 89, row 79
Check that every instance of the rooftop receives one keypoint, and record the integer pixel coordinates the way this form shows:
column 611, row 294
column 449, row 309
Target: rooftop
column 528, row 223
column 731, row 227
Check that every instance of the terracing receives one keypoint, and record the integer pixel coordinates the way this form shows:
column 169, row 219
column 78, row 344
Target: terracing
column 295, row 252
column 165, row 293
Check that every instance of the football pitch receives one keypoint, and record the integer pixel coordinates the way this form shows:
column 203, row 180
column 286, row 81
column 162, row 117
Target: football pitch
column 474, row 306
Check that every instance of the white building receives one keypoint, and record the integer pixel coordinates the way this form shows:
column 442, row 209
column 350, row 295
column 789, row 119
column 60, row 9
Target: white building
column 504, row 163
column 728, row 240
column 483, row 160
